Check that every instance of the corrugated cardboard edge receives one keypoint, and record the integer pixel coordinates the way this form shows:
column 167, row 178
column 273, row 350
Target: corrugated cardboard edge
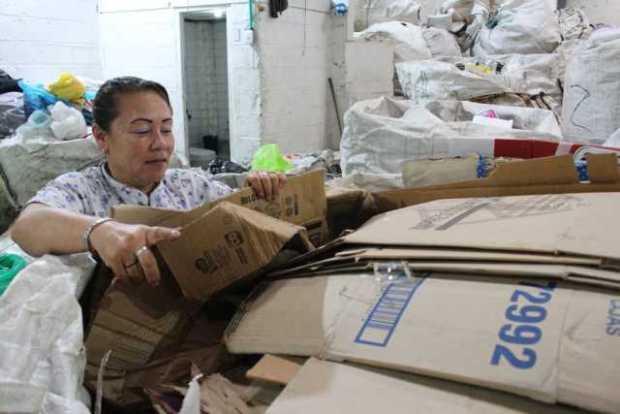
column 275, row 369
column 550, row 175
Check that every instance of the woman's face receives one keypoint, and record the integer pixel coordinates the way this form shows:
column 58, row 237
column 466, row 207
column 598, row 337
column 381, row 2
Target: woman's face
column 139, row 143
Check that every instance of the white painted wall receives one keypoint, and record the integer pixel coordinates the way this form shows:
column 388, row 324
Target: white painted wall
column 599, row 11
column 41, row 38
column 143, row 38
column 295, row 60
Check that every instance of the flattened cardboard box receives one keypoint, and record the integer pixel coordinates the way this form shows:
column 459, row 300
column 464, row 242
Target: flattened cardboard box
column 302, row 201
column 575, row 224
column 332, row 388
column 552, row 175
column 551, row 343
column 583, row 270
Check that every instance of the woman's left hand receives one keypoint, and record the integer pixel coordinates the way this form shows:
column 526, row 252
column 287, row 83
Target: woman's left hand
column 266, row 185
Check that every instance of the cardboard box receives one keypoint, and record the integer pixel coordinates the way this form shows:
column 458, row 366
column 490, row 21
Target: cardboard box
column 344, row 210
column 331, row 388
column 552, row 175
column 226, row 245
column 588, row 276
column 574, row 224
column 302, row 201
column 552, row 343
column 134, row 321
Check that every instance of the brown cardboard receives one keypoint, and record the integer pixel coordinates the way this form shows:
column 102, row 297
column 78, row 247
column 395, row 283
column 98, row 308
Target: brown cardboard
column 577, row 274
column 368, row 254
column 344, row 209
column 574, row 224
column 331, row 388
column 302, row 201
column 553, row 175
column 227, row 244
column 275, row 369
column 450, row 328
column 458, row 254
column 134, row 321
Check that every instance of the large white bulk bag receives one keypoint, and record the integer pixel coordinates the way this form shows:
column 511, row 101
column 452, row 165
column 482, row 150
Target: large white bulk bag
column 520, row 26
column 591, row 109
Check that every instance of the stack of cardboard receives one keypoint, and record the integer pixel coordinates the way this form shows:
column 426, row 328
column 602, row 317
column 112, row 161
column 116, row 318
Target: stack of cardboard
column 223, row 245
column 520, row 294
column 492, row 295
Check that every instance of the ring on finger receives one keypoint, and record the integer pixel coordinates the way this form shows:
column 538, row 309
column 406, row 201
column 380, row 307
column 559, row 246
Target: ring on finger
column 141, row 251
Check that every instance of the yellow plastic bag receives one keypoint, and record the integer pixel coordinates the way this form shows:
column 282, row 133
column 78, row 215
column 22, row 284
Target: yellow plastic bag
column 67, row 87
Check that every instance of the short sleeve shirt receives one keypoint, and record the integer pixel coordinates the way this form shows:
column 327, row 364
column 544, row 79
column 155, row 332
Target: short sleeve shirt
column 94, row 191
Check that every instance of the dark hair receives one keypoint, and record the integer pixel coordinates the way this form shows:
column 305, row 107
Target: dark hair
column 105, row 105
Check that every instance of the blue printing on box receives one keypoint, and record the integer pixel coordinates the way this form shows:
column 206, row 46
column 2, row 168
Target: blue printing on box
column 386, row 314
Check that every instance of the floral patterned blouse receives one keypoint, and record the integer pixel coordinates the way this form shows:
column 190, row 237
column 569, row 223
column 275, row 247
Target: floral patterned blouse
column 94, row 192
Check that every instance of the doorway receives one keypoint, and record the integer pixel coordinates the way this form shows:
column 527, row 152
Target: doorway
column 205, row 85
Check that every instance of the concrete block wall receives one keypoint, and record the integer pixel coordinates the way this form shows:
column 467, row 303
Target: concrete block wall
column 295, row 62
column 40, row 38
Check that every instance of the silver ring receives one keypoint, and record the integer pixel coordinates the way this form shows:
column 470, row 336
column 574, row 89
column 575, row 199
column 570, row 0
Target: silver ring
column 141, row 250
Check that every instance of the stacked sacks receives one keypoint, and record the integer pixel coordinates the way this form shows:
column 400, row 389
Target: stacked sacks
column 520, row 26
column 591, row 110
column 381, row 134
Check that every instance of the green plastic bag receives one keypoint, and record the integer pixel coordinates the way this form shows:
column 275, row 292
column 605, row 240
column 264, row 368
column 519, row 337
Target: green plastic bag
column 10, row 266
column 270, row 158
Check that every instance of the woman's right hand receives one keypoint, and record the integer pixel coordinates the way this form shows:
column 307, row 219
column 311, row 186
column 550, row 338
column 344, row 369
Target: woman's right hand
column 125, row 248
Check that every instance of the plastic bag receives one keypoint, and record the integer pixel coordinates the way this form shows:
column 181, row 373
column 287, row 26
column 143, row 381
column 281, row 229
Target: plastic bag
column 270, row 158
column 614, row 140
column 380, row 134
column 591, row 110
column 466, row 78
column 37, row 126
column 459, row 9
column 370, row 12
column 36, row 97
column 11, row 113
column 68, row 123
column 41, row 336
column 520, row 26
column 10, row 266
column 341, row 7
column 441, row 42
column 408, row 39
column 67, row 87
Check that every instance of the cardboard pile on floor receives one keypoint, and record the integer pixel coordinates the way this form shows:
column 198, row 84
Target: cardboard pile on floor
column 519, row 294
column 510, row 298
column 331, row 388
column 223, row 245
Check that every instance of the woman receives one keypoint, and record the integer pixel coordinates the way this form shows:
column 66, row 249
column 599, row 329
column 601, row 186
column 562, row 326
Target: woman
column 133, row 127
